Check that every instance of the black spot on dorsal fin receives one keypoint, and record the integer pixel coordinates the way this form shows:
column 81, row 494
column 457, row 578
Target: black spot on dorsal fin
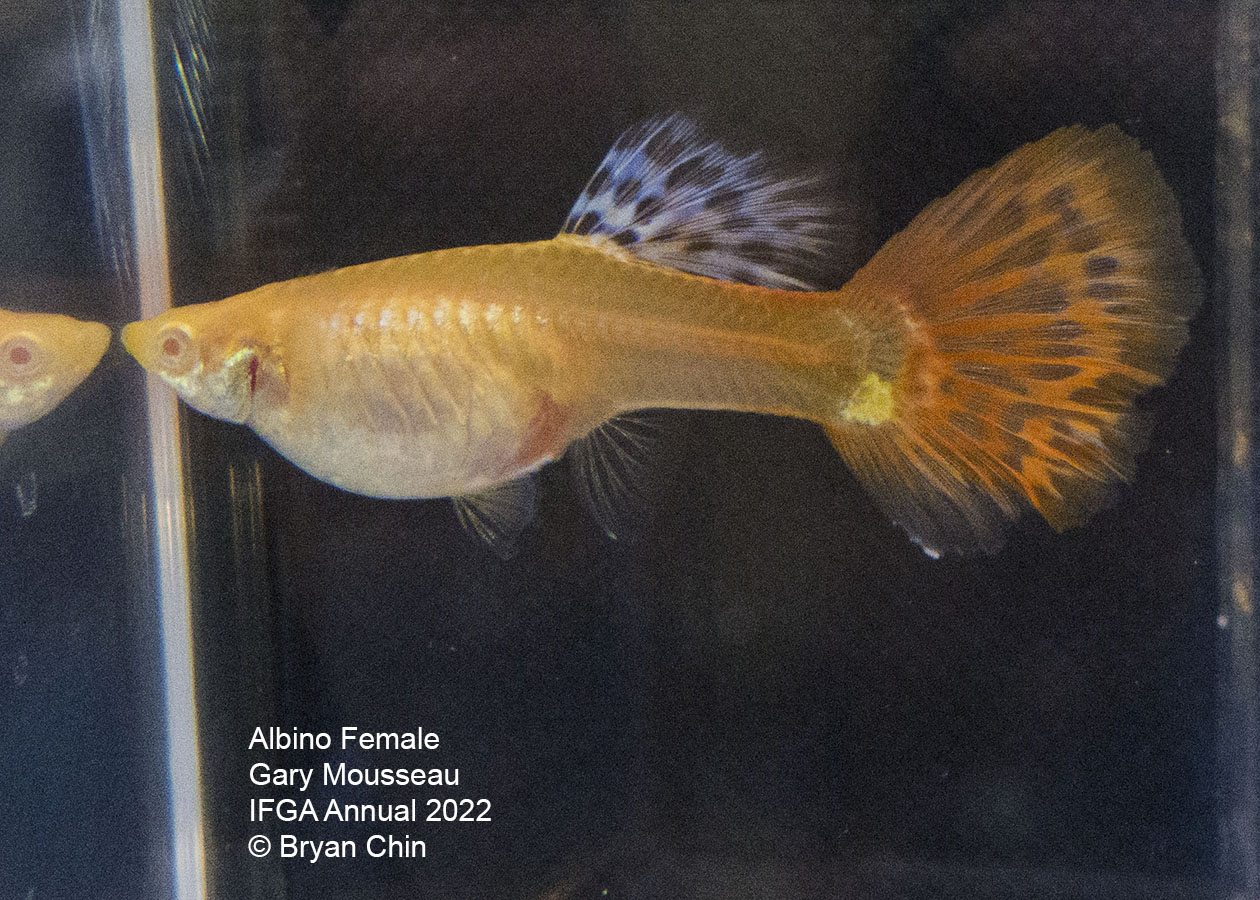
column 667, row 195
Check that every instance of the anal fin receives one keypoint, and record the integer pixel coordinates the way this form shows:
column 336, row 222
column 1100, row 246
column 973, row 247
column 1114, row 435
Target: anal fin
column 611, row 471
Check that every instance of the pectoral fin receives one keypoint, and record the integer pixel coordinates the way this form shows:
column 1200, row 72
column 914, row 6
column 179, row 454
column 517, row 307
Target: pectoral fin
column 498, row 515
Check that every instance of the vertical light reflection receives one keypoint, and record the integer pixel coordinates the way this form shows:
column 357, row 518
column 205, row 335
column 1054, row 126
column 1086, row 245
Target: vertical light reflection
column 1239, row 692
column 170, row 540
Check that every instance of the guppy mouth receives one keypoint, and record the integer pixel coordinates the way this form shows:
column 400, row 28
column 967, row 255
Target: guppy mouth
column 130, row 337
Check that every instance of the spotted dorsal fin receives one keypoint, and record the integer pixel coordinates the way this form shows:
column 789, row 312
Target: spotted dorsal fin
column 666, row 194
column 498, row 514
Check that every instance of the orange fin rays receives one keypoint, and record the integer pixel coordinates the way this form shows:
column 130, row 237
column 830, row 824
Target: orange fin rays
column 1042, row 297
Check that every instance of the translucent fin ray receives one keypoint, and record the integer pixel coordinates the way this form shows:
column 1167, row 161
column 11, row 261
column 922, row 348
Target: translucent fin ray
column 499, row 514
column 611, row 471
column 665, row 194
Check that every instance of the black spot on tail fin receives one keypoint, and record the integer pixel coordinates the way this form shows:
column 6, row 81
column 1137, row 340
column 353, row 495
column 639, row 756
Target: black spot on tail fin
column 1041, row 298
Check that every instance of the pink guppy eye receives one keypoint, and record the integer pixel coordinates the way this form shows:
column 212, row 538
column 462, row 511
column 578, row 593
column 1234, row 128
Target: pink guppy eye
column 20, row 357
column 175, row 349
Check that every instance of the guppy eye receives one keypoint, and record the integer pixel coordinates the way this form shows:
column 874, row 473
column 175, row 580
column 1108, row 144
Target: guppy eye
column 175, row 350
column 21, row 357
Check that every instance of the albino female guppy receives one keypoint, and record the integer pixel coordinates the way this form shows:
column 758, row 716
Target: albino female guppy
column 984, row 361
column 43, row 357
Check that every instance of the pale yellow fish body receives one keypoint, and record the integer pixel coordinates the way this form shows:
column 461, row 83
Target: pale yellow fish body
column 444, row 373
column 43, row 357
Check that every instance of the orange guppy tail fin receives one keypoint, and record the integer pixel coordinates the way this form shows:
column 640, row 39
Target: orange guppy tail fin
column 1041, row 297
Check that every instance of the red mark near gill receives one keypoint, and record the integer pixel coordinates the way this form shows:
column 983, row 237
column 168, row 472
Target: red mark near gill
column 253, row 373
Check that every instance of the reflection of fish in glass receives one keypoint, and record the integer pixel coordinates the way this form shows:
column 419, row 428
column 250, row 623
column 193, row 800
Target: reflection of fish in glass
column 984, row 361
column 43, row 357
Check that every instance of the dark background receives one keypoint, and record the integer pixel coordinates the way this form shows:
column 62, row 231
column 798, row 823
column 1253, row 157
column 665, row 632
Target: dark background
column 771, row 693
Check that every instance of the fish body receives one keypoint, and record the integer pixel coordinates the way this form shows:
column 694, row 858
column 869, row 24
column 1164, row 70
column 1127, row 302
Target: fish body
column 43, row 357
column 444, row 373
column 984, row 361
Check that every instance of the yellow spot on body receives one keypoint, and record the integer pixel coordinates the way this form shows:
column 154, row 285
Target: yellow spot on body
column 871, row 403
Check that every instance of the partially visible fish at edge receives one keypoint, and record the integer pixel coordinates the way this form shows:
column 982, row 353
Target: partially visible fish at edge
column 43, row 357
column 985, row 361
